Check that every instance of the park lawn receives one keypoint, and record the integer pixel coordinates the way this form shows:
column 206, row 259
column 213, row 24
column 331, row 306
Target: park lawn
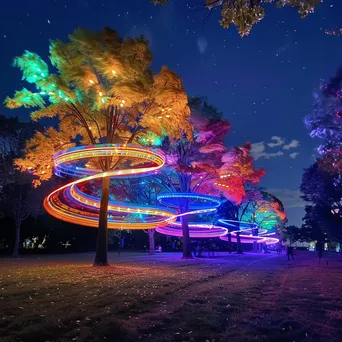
column 251, row 297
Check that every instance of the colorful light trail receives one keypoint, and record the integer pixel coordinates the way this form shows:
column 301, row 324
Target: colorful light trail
column 70, row 204
column 247, row 231
column 196, row 204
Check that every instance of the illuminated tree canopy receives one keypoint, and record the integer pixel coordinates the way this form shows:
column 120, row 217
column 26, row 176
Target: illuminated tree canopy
column 325, row 123
column 257, row 207
column 102, row 92
column 97, row 74
column 204, row 164
column 321, row 182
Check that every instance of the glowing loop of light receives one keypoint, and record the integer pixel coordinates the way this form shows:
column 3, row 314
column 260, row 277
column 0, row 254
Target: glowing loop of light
column 245, row 227
column 200, row 230
column 196, row 230
column 85, row 208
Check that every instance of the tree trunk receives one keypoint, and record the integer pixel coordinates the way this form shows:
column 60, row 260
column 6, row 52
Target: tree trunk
column 151, row 248
column 17, row 241
column 102, row 235
column 229, row 243
column 186, row 238
column 238, row 243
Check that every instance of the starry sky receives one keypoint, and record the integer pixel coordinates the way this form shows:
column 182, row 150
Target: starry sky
column 263, row 83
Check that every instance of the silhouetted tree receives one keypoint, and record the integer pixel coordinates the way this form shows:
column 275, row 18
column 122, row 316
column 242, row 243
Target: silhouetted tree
column 18, row 198
column 292, row 234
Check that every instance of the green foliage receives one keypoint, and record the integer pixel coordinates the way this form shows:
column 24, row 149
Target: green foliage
column 24, row 98
column 34, row 69
column 257, row 207
column 102, row 92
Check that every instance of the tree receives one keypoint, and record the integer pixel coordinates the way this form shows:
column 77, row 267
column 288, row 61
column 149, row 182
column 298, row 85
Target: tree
column 318, row 187
column 325, row 196
column 143, row 192
column 12, row 136
column 292, row 234
column 313, row 225
column 231, row 211
column 205, row 165
column 325, row 123
column 20, row 200
column 321, row 182
column 102, row 92
column 243, row 14
column 258, row 207
column 17, row 196
column 268, row 213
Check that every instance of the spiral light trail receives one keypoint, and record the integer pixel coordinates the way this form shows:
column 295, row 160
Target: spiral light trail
column 70, row 204
column 197, row 204
column 246, row 232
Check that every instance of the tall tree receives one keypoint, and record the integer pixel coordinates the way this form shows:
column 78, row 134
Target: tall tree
column 325, row 123
column 102, row 92
column 325, row 197
column 257, row 207
column 322, row 182
column 313, row 225
column 18, row 200
column 244, row 14
column 204, row 165
column 318, row 188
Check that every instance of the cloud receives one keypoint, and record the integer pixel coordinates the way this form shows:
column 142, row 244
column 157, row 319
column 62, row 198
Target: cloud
column 290, row 198
column 258, row 151
column 278, row 141
column 271, row 155
column 286, row 46
column 258, row 147
column 202, row 45
column 293, row 144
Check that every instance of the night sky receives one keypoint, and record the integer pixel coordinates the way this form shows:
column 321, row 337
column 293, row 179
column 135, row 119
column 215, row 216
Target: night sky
column 262, row 83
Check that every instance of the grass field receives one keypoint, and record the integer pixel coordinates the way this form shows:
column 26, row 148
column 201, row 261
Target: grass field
column 250, row 297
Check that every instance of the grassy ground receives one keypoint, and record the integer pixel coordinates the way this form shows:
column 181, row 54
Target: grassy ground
column 251, row 297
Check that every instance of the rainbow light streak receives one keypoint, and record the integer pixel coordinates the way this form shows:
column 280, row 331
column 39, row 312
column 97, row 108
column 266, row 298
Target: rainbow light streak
column 247, row 227
column 85, row 208
column 196, row 230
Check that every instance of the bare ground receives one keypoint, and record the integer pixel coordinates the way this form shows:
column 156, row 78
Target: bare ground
column 251, row 297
